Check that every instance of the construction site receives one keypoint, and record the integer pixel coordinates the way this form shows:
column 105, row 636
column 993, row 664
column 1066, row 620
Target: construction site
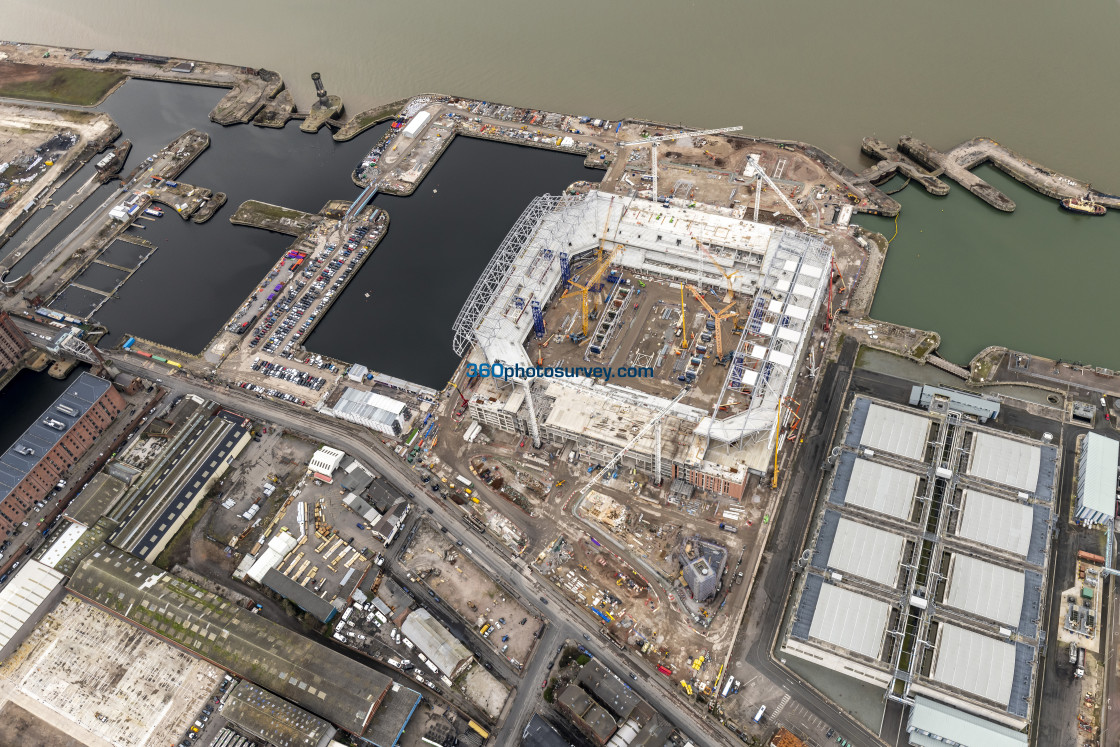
column 712, row 314
column 499, row 621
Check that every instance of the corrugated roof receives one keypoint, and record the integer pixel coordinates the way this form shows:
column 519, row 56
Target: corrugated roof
column 954, row 725
column 1096, row 474
column 274, row 719
column 22, row 595
column 435, row 641
column 1005, row 461
column 996, row 522
column 895, row 431
column 867, row 552
column 974, row 663
column 878, row 487
column 301, row 596
column 849, row 620
column 32, row 446
column 986, row 589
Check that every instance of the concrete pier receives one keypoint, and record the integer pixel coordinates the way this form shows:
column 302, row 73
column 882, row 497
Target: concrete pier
column 289, row 221
column 938, row 163
column 892, row 162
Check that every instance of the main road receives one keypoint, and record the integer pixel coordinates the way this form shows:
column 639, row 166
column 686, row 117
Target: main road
column 567, row 619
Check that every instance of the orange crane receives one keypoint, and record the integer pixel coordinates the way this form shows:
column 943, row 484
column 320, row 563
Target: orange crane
column 730, row 291
column 719, row 316
column 684, row 330
column 585, row 289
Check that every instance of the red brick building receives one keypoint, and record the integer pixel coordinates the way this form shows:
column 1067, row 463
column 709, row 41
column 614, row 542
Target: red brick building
column 13, row 343
column 33, row 465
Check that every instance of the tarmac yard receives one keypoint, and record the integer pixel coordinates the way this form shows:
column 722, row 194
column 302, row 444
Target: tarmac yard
column 89, row 674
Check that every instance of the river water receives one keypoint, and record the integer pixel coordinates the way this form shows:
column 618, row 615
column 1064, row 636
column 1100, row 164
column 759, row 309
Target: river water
column 826, row 73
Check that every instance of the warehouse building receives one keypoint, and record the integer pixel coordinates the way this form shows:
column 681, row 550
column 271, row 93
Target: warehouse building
column 1097, row 467
column 436, row 642
column 42, row 455
column 375, row 411
column 274, row 720
column 933, row 724
column 324, row 462
column 24, row 599
column 13, row 343
column 354, row 697
column 716, row 448
column 928, row 560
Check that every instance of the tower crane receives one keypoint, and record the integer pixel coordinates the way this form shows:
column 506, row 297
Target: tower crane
column 653, row 142
column 585, row 289
column 718, row 316
column 730, row 291
column 760, row 174
column 629, row 444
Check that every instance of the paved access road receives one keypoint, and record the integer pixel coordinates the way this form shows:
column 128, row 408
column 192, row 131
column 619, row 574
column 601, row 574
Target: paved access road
column 360, row 442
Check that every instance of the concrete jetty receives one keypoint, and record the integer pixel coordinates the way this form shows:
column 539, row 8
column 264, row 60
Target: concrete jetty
column 892, row 162
column 1043, row 180
column 942, row 163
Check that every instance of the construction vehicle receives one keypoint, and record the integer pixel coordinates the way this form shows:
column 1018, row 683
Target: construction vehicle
column 687, row 687
column 654, row 142
column 717, row 317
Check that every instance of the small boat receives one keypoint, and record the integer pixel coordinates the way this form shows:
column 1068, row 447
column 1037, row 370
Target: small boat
column 367, row 295
column 154, row 212
column 1082, row 205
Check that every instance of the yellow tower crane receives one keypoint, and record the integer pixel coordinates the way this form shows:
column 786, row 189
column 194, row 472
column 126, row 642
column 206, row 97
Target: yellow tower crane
column 730, row 290
column 777, row 432
column 585, row 289
column 719, row 316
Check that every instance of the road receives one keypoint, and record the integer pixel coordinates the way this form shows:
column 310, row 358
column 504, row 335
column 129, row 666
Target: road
column 359, row 442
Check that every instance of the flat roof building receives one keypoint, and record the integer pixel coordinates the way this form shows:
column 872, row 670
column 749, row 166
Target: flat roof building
column 13, row 343
column 1004, row 461
column 895, row 432
column 1097, row 478
column 933, row 724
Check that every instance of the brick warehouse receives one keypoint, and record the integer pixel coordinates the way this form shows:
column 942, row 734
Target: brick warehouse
column 13, row 343
column 42, row 455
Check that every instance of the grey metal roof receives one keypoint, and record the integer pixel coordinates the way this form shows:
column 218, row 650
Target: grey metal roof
column 849, row 620
column 902, row 433
column 970, row 404
column 1005, row 461
column 301, row 596
column 868, row 552
column 436, row 642
column 956, row 726
column 985, row 589
column 975, row 663
column 274, row 719
column 807, row 607
column 1096, row 473
column 878, row 487
column 394, row 713
column 996, row 522
column 40, row 438
column 608, row 688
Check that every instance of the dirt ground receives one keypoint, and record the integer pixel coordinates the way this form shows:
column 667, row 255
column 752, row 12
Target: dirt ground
column 462, row 583
column 20, row 727
column 485, row 690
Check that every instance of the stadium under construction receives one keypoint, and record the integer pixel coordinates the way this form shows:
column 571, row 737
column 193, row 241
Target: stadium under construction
column 666, row 296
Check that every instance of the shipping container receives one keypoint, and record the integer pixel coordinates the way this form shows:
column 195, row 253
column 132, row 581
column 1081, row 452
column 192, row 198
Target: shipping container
column 159, row 358
column 141, row 352
column 131, row 341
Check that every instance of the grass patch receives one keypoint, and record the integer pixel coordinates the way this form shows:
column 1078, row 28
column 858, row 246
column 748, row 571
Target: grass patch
column 925, row 346
column 253, row 211
column 62, row 85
